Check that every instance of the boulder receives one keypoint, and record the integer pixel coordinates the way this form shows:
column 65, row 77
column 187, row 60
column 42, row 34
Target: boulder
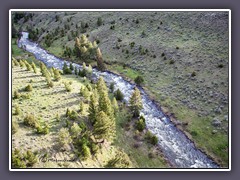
column 216, row 122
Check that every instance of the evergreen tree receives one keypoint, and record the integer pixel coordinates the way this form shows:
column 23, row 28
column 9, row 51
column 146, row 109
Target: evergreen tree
column 75, row 130
column 71, row 67
column 16, row 94
column 115, row 105
column 56, row 75
column 111, row 87
column 67, row 112
column 77, row 47
column 83, row 40
column 104, row 127
column 138, row 80
column 121, row 160
column 135, row 103
column 64, row 137
column 34, row 67
column 75, row 70
column 86, row 153
column 99, row 21
column 118, row 94
column 104, row 101
column 29, row 67
column 66, row 70
column 81, row 107
column 89, row 70
column 100, row 63
column 93, row 108
column 101, row 85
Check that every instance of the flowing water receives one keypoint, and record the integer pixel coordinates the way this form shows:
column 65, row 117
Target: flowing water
column 177, row 148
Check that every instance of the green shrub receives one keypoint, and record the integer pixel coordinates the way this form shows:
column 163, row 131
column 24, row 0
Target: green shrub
column 15, row 127
column 64, row 137
column 16, row 94
column 23, row 160
column 30, row 120
column 94, row 148
column 121, row 160
column 220, row 65
column 75, row 130
column 73, row 115
column 26, row 96
column 86, row 153
column 140, row 124
column 151, row 138
column 28, row 88
column 42, row 130
column 81, row 107
column 118, row 95
column 139, row 80
column 57, row 117
column 17, row 110
column 193, row 74
column 30, row 158
column 67, row 87
column 132, row 44
column 111, row 87
column 171, row 61
column 154, row 140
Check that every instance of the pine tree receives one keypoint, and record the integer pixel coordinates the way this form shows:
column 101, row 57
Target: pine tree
column 115, row 105
column 68, row 112
column 136, row 103
column 86, row 153
column 100, row 63
column 34, row 67
column 119, row 95
column 75, row 70
column 121, row 160
column 56, row 75
column 16, row 94
column 64, row 137
column 99, row 21
column 29, row 67
column 83, row 40
column 77, row 47
column 104, row 101
column 104, row 127
column 89, row 70
column 71, row 66
column 93, row 108
column 101, row 85
column 81, row 107
column 75, row 130
column 66, row 70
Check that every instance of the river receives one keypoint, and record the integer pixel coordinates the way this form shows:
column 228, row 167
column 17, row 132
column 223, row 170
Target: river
column 177, row 148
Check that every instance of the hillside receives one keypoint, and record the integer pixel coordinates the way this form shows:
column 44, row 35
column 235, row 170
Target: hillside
column 48, row 106
column 182, row 56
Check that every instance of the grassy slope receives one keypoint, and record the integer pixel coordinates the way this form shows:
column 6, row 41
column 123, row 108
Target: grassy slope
column 46, row 103
column 203, row 45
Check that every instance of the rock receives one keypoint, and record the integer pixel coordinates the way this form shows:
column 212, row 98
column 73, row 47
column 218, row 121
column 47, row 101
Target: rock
column 218, row 110
column 214, row 131
column 216, row 122
column 226, row 117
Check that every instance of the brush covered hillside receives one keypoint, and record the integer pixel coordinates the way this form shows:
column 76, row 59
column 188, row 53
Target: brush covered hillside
column 182, row 58
column 65, row 121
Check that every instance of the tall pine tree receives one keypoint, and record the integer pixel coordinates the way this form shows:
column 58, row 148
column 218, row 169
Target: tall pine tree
column 100, row 63
column 135, row 104
column 104, row 127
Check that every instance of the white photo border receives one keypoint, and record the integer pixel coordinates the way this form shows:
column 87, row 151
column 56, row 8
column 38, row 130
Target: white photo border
column 115, row 10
